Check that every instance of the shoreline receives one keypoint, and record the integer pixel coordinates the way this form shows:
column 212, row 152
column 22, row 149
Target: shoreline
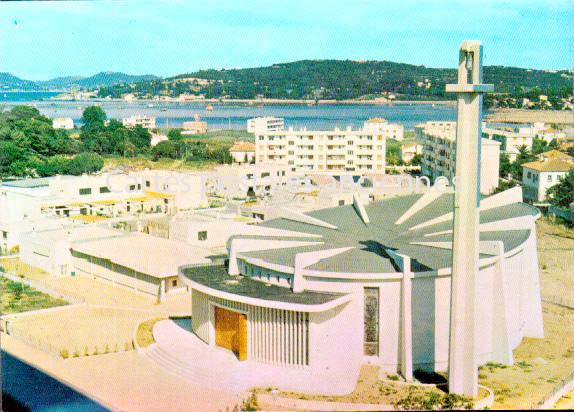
column 249, row 102
column 523, row 116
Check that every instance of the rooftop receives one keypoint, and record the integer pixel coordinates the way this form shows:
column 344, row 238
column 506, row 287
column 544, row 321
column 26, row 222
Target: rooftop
column 551, row 165
column 242, row 147
column 28, row 183
column 216, row 277
column 147, row 254
column 419, row 226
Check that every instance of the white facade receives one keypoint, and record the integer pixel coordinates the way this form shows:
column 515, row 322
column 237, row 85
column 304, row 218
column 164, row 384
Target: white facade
column 438, row 155
column 63, row 123
column 388, row 130
column 410, row 150
column 332, row 151
column 39, row 203
column 540, row 175
column 319, row 344
column 246, row 180
column 157, row 138
column 194, row 127
column 146, row 122
column 265, row 124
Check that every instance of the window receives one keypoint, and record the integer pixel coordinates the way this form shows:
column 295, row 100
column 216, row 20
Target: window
column 371, row 322
column 202, row 235
column 85, row 191
column 529, row 175
column 549, row 178
column 341, row 202
column 4, row 234
column 132, row 188
column 174, row 283
column 147, row 183
column 104, row 189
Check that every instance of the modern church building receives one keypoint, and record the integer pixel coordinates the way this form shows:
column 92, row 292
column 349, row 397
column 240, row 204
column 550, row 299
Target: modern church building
column 367, row 284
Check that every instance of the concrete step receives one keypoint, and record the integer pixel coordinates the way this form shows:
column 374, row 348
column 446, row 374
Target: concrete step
column 203, row 373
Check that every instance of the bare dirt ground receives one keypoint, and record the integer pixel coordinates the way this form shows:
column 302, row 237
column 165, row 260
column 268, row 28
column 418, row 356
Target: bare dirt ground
column 104, row 323
column 540, row 364
column 82, row 330
column 556, row 260
column 567, row 402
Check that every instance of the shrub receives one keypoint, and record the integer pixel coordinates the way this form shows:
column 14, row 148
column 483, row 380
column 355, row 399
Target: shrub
column 393, row 377
column 76, row 353
column 107, row 349
column 250, row 404
column 64, row 353
column 86, row 352
column 523, row 365
column 419, row 400
column 96, row 351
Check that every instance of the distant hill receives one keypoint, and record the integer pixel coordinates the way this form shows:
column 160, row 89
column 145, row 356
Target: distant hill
column 343, row 79
column 112, row 78
column 11, row 82
column 103, row 79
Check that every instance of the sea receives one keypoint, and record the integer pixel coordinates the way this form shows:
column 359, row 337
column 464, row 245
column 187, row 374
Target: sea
column 235, row 115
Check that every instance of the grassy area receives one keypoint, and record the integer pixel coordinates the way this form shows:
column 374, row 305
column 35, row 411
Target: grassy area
column 230, row 135
column 144, row 334
column 17, row 297
column 145, row 162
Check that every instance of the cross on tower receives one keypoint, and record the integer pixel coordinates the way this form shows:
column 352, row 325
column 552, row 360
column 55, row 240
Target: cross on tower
column 462, row 377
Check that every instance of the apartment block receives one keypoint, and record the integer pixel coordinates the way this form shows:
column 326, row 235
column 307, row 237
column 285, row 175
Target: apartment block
column 146, row 122
column 268, row 124
column 334, row 151
column 439, row 154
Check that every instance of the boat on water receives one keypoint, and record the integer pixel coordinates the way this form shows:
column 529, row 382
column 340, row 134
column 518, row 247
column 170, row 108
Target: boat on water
column 164, row 109
column 150, row 105
column 209, row 107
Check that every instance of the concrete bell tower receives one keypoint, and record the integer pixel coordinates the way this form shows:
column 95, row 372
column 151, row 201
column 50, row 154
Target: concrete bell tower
column 463, row 372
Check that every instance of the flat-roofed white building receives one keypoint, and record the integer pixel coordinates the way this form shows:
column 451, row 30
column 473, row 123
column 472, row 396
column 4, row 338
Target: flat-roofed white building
column 334, row 151
column 389, row 130
column 409, row 150
column 66, row 123
column 194, row 127
column 438, row 139
column 157, row 138
column 246, row 180
column 49, row 250
column 137, row 261
column 33, row 203
column 265, row 124
column 147, row 122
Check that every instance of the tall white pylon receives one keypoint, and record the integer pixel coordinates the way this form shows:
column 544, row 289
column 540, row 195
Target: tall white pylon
column 462, row 378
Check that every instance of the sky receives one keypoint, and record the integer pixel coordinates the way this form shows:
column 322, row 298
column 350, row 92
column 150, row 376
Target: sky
column 42, row 40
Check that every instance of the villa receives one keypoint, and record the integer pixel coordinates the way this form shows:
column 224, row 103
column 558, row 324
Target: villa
column 365, row 284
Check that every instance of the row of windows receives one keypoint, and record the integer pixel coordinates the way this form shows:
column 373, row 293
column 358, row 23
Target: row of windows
column 105, row 189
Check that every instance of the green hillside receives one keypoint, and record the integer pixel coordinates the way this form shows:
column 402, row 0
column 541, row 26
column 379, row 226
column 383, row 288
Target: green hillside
column 344, row 79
